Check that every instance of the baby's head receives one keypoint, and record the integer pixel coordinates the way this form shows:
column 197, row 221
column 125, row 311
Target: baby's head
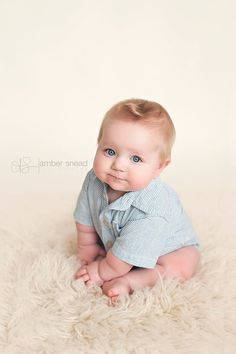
column 134, row 144
column 148, row 114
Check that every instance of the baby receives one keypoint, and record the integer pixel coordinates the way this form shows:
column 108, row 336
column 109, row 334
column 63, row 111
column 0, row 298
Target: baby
column 131, row 225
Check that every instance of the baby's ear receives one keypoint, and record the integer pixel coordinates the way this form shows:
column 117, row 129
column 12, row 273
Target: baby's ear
column 162, row 166
column 166, row 163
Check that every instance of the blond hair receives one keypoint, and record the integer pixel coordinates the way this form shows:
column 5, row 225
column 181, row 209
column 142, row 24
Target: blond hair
column 148, row 113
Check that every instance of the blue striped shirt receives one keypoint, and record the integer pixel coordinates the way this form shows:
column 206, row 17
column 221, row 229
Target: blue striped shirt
column 139, row 226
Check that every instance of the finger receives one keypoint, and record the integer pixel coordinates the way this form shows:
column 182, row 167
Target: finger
column 89, row 283
column 80, row 273
column 85, row 278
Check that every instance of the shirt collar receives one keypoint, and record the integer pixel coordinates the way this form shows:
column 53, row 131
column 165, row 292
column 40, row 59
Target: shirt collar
column 139, row 199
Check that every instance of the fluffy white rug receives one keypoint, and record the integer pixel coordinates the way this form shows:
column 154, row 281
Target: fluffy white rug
column 43, row 310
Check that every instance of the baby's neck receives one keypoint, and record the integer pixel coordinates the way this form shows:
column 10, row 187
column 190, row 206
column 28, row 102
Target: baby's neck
column 113, row 195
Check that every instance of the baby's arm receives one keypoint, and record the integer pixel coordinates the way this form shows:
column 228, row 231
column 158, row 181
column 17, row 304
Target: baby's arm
column 88, row 249
column 99, row 271
column 112, row 267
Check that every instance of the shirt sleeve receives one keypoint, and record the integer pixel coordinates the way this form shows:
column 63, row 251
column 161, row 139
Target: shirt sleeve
column 141, row 241
column 82, row 212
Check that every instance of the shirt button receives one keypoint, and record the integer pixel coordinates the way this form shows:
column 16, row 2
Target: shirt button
column 109, row 244
column 105, row 222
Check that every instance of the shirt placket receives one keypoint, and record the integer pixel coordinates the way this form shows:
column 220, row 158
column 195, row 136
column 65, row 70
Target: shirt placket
column 105, row 221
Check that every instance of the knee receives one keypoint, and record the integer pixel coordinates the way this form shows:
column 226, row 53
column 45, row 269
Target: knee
column 186, row 273
column 179, row 271
column 188, row 268
column 184, row 265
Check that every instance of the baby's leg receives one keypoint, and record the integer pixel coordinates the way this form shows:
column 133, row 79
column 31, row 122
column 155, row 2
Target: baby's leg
column 180, row 264
column 134, row 280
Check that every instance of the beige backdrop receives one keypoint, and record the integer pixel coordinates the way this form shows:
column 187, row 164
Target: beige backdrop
column 64, row 63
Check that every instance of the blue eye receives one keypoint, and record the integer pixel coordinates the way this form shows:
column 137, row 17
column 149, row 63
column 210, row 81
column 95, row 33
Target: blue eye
column 136, row 158
column 110, row 152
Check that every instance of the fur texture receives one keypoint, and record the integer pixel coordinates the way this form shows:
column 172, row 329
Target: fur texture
column 44, row 311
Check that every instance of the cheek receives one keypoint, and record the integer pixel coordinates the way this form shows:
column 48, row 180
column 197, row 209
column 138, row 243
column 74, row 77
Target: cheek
column 140, row 174
column 96, row 163
column 137, row 179
column 140, row 178
column 99, row 163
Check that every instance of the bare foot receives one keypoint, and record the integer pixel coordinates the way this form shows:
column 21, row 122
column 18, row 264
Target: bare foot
column 115, row 287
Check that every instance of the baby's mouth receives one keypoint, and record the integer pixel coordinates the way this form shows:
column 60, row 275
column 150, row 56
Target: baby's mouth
column 116, row 177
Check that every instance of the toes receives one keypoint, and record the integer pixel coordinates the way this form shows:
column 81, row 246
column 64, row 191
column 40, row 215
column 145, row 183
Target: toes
column 85, row 277
column 114, row 288
column 113, row 292
column 114, row 300
column 106, row 286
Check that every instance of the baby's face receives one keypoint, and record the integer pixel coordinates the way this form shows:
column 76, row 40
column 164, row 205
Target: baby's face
column 127, row 156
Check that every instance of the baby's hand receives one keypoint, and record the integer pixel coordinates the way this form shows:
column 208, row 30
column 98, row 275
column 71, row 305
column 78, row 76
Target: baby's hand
column 88, row 253
column 89, row 274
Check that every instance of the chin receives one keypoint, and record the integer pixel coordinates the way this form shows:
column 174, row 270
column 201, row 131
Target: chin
column 115, row 186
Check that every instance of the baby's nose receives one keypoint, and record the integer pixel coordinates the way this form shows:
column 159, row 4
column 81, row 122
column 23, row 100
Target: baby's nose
column 119, row 164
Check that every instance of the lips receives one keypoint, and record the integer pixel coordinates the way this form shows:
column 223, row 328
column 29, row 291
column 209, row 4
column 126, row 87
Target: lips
column 116, row 177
